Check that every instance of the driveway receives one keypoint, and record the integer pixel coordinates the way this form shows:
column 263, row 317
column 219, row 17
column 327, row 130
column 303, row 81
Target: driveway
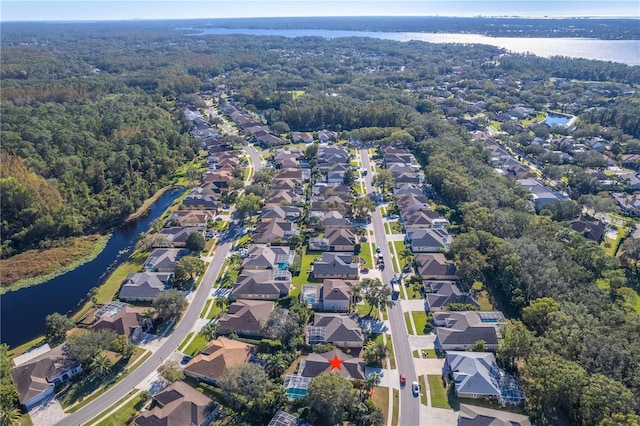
column 48, row 412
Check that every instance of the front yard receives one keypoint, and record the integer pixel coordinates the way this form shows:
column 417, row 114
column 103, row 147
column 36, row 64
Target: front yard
column 439, row 397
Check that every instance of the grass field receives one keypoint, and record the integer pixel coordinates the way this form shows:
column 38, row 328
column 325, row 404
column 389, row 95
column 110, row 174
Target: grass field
column 611, row 245
column 381, row 400
column 420, row 320
column 123, row 414
column 396, row 228
column 185, row 342
column 305, row 269
column 423, row 391
column 197, row 344
column 366, row 252
column 394, row 257
column 485, row 302
column 407, row 322
column 438, row 392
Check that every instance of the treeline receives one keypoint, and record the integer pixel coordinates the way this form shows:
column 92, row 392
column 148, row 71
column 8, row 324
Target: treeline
column 579, row 352
column 80, row 165
column 621, row 115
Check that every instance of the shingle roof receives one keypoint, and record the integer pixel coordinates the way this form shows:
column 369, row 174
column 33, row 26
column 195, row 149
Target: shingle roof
column 339, row 328
column 474, row 372
column 246, row 315
column 142, row 285
column 179, row 404
column 351, row 368
column 219, row 355
column 471, row 415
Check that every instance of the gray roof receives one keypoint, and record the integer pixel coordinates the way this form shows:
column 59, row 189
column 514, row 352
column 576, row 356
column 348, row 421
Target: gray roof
column 434, row 265
column 178, row 234
column 261, row 256
column 467, row 327
column 438, row 238
column 471, row 415
column 144, row 285
column 339, row 328
column 280, row 212
column 164, row 259
column 246, row 315
column 351, row 368
column 474, row 372
column 178, row 403
column 441, row 293
column 263, row 284
column 335, row 264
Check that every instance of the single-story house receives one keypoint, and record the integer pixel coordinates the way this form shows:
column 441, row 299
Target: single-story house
column 340, row 239
column 591, row 229
column 336, row 265
column 192, row 218
column 220, row 354
column 290, row 213
column 179, row 404
column 144, row 286
column 178, row 235
column 471, row 415
column 246, row 317
column 347, row 366
column 262, row 285
column 459, row 331
column 333, row 295
column 262, row 256
column 163, row 259
column 434, row 266
column 36, row 378
column 440, row 294
column 428, row 240
column 274, row 232
column 124, row 320
column 339, row 329
column 474, row 374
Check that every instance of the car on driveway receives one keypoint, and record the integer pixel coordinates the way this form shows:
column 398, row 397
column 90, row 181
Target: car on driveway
column 415, row 388
column 364, row 270
column 403, row 380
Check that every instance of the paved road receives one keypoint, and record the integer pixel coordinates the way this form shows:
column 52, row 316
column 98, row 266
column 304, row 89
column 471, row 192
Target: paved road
column 255, row 157
column 409, row 405
column 185, row 325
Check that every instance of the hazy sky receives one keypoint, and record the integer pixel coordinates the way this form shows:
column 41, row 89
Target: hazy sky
column 56, row 10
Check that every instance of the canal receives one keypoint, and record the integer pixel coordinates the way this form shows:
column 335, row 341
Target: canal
column 22, row 317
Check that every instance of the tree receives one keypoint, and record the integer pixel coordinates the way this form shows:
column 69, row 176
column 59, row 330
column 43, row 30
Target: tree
column 375, row 353
column 123, row 346
column 8, row 391
column 383, row 179
column 248, row 205
column 406, row 255
column 195, row 242
column 280, row 127
column 349, row 177
column 370, row 382
column 361, row 207
column 536, row 315
column 367, row 414
column 147, row 318
column 187, row 268
column 169, row 304
column 10, row 417
column 603, row 397
column 209, row 329
column 621, row 420
column 57, row 326
column 93, row 295
column 630, row 256
column 101, row 365
column 171, row 371
column 330, row 397
column 376, row 294
column 277, row 363
column 516, row 344
column 244, row 383
column 84, row 347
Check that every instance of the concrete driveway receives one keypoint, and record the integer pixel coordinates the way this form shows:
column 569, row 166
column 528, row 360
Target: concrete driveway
column 47, row 413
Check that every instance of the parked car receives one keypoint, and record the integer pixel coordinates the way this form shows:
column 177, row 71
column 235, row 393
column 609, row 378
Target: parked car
column 403, row 380
column 364, row 270
column 378, row 249
column 415, row 388
column 381, row 266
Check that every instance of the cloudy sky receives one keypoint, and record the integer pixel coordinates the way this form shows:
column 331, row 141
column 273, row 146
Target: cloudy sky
column 56, row 10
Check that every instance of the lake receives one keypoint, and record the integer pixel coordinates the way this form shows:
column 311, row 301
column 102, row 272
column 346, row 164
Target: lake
column 553, row 119
column 622, row 51
column 24, row 311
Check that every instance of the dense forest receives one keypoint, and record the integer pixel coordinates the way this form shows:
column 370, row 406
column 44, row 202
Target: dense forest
column 90, row 128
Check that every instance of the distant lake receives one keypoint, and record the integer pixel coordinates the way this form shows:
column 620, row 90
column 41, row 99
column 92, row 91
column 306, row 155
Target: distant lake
column 622, row 51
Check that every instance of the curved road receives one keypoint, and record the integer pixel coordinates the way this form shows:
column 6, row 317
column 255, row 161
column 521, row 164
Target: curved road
column 409, row 405
column 118, row 391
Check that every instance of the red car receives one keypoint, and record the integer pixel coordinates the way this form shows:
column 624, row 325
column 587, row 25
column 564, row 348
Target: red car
column 403, row 380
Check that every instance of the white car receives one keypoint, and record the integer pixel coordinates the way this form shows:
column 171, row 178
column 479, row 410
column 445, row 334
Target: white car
column 415, row 387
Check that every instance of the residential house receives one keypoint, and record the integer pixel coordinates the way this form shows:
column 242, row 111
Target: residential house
column 412, row 202
column 177, row 235
column 333, row 295
column 326, row 136
column 434, row 266
column 541, row 194
column 177, row 405
column 305, row 137
column 427, row 240
column 124, row 320
column 459, row 331
column 335, row 220
column 340, row 239
column 262, row 256
column 200, row 200
column 263, row 285
column 591, row 229
column 335, row 265
column 144, row 286
column 424, row 219
column 474, row 374
column 36, row 378
column 219, row 355
column 282, row 418
column 335, row 176
column 440, row 294
column 283, row 198
column 246, row 317
column 471, row 415
column 192, row 218
column 269, row 140
column 347, row 366
column 339, row 329
column 293, row 174
column 290, row 213
column 274, row 232
column 163, row 259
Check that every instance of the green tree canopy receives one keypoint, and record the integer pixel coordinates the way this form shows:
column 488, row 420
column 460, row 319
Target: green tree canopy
column 169, row 304
column 331, row 397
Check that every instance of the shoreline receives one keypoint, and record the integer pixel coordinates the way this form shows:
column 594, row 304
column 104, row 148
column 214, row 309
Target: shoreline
column 142, row 210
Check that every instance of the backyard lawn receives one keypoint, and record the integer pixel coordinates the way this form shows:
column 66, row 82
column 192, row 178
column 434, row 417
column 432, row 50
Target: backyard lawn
column 305, row 269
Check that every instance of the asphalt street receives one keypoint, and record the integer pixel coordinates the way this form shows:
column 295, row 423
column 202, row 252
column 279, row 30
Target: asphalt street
column 409, row 405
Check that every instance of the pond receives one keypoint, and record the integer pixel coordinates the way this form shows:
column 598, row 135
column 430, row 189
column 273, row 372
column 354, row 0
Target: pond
column 556, row 120
column 23, row 311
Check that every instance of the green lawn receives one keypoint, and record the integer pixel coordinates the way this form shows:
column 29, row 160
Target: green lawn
column 414, row 292
column 214, row 311
column 407, row 321
column 610, row 245
column 185, row 341
column 396, row 228
column 423, row 391
column 124, row 413
column 366, row 252
column 439, row 397
column 392, row 355
column 420, row 320
column 205, row 310
column 305, row 270
column 394, row 257
column 396, row 407
column 426, row 353
column 197, row 344
column 381, row 400
column 485, row 303
column 386, row 228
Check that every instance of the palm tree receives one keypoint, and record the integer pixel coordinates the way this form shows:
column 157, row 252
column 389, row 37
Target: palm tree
column 406, row 255
column 221, row 303
column 101, row 365
column 147, row 318
column 10, row 417
column 276, row 364
column 356, row 293
column 371, row 381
